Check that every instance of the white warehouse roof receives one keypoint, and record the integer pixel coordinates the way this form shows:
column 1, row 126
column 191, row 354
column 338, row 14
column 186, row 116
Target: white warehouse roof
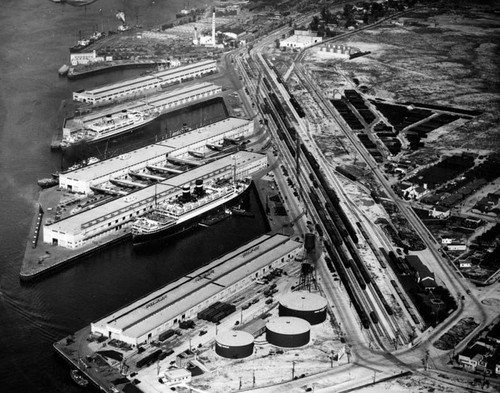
column 115, row 164
column 167, row 303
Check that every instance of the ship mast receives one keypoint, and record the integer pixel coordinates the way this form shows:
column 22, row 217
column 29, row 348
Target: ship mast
column 234, row 170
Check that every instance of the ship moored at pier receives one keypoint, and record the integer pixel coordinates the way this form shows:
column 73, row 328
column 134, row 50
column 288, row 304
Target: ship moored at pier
column 117, row 215
column 118, row 120
column 171, row 218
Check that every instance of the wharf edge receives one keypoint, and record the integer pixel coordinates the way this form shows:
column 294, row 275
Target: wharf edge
column 64, row 262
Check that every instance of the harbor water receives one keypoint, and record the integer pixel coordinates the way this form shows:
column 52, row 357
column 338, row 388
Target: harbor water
column 35, row 36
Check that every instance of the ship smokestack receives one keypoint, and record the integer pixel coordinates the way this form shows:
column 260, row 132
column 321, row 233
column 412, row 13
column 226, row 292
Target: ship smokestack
column 186, row 194
column 213, row 27
column 199, row 188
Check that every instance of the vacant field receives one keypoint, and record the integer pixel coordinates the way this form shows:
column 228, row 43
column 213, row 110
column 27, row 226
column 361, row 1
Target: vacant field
column 447, row 57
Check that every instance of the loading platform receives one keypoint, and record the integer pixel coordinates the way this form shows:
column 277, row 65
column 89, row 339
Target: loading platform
column 163, row 169
column 127, row 183
column 146, row 176
column 181, row 161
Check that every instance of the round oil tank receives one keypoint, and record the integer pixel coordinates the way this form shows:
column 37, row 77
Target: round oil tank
column 234, row 344
column 289, row 332
column 305, row 305
column 309, row 241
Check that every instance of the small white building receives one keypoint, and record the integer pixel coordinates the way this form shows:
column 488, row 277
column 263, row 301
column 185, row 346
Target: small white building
column 337, row 50
column 439, row 212
column 457, row 247
column 446, row 240
column 85, row 58
column 464, row 264
column 177, row 376
column 300, row 39
column 417, row 192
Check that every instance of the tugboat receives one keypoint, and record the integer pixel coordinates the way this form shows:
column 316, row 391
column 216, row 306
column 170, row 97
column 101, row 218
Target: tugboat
column 216, row 218
column 78, row 378
column 239, row 211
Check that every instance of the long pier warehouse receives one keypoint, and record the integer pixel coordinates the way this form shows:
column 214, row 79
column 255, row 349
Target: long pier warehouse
column 149, row 83
column 157, row 103
column 155, row 156
column 79, row 229
column 145, row 319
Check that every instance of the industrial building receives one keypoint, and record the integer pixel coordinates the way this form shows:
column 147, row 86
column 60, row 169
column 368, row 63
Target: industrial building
column 288, row 332
column 151, row 107
column 340, row 51
column 308, row 306
column 177, row 376
column 179, row 147
column 144, row 84
column 86, row 226
column 234, row 344
column 145, row 319
column 300, row 39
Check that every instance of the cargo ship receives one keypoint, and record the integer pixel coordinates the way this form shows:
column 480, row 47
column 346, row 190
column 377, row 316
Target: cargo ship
column 171, row 218
column 109, row 126
column 85, row 42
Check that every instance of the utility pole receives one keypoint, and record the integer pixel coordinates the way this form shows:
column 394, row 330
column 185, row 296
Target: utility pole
column 293, row 369
column 426, row 359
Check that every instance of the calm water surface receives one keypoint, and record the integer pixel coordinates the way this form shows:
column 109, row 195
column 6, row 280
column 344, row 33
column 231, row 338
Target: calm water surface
column 34, row 40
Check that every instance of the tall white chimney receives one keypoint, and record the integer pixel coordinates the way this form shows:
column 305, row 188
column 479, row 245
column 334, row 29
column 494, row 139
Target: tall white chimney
column 213, row 27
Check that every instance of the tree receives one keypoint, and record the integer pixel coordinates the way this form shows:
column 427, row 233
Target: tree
column 348, row 12
column 314, row 23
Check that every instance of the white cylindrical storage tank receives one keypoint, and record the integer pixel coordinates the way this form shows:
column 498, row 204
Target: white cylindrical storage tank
column 234, row 344
column 305, row 305
column 289, row 332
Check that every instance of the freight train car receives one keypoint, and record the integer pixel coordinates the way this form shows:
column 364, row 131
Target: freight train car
column 266, row 82
column 357, row 274
column 359, row 263
column 332, row 231
column 297, row 106
column 382, row 299
column 336, row 219
column 363, row 316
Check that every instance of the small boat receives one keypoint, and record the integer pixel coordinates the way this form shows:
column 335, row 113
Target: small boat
column 238, row 211
column 48, row 182
column 63, row 70
column 78, row 378
column 216, row 218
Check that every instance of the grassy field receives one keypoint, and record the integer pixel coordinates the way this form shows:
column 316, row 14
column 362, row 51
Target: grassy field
column 446, row 56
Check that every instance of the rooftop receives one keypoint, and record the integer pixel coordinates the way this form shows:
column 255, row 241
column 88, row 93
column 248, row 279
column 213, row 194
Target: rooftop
column 181, row 295
column 302, row 300
column 142, row 155
column 234, row 338
column 131, row 83
column 288, row 325
column 158, row 99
